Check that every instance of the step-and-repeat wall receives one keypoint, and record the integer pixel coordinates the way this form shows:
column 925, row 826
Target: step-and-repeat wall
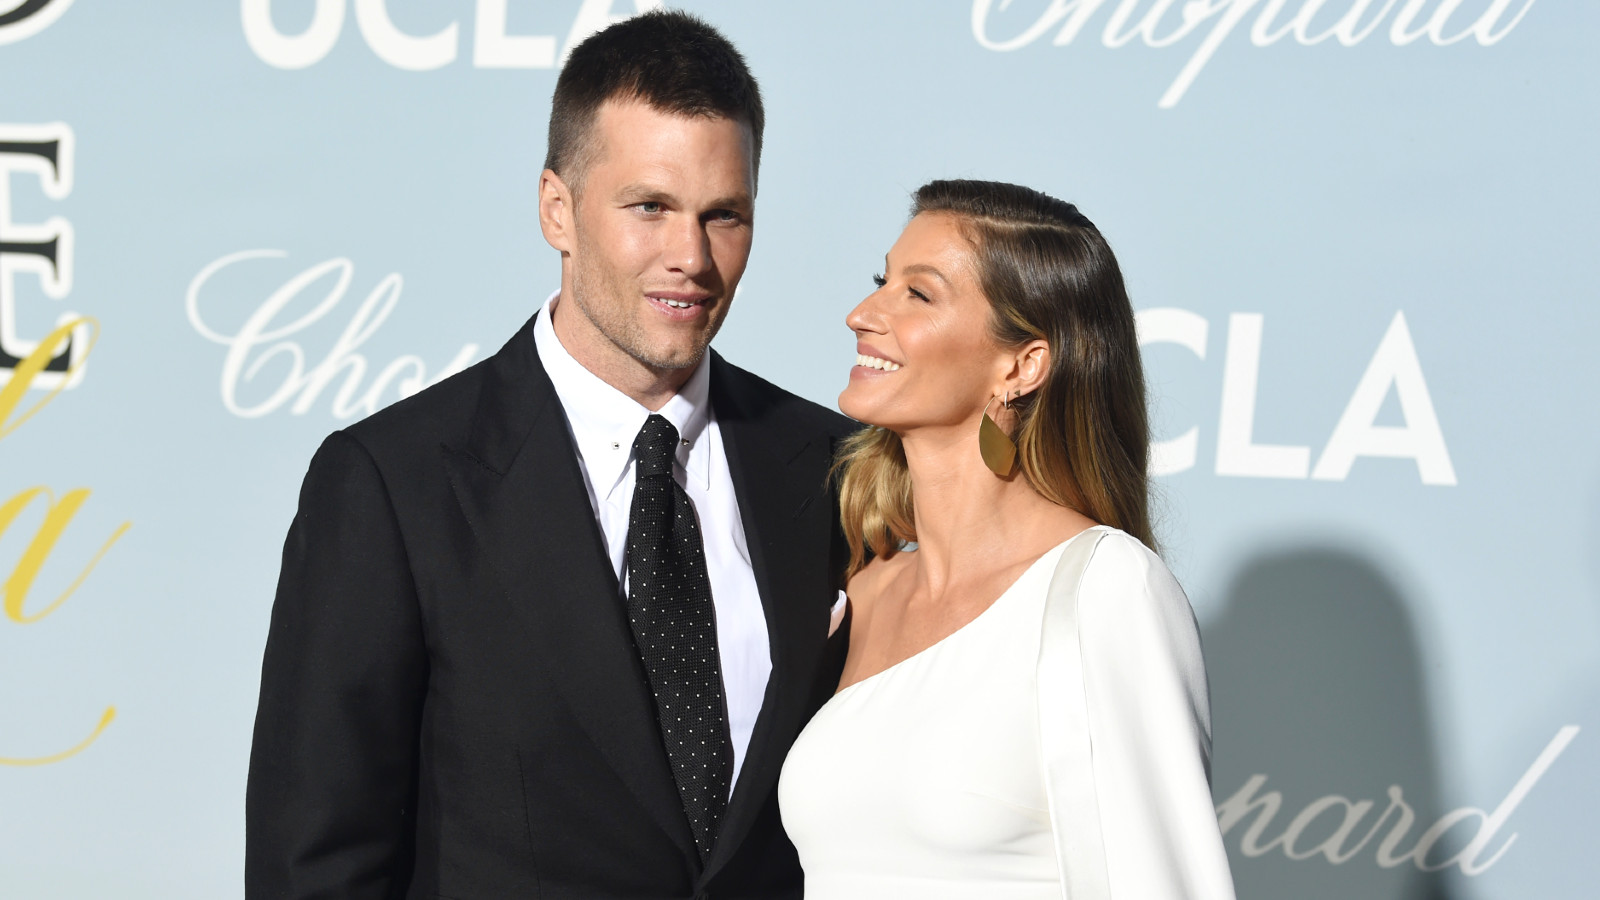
column 1359, row 234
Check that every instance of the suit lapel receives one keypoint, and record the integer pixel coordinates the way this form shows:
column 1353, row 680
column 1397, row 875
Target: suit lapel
column 777, row 475
column 522, row 492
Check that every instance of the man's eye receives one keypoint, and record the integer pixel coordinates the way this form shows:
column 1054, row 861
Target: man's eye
column 725, row 216
column 650, row 206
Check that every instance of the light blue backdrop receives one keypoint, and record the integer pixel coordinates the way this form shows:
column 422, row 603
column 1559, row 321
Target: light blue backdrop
column 1365, row 259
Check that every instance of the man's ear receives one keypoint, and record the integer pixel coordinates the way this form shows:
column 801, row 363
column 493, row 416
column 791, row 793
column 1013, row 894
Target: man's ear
column 556, row 205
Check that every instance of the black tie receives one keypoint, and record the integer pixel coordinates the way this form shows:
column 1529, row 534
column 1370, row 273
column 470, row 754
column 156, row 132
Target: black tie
column 675, row 628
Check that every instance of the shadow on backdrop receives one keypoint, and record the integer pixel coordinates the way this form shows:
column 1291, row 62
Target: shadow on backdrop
column 1316, row 685
column 1565, row 814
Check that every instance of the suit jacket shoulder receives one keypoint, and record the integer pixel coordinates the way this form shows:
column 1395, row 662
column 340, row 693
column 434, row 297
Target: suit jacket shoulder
column 485, row 410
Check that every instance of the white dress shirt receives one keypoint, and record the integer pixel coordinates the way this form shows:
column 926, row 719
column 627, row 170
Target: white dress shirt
column 604, row 423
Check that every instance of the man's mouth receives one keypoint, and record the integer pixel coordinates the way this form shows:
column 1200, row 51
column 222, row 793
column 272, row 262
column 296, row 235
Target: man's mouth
column 680, row 306
column 678, row 299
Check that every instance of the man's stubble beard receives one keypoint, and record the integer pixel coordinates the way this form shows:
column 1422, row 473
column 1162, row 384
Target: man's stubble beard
column 614, row 323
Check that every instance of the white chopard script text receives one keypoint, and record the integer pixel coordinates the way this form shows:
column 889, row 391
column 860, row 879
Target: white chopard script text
column 263, row 339
column 1355, row 832
column 1156, row 23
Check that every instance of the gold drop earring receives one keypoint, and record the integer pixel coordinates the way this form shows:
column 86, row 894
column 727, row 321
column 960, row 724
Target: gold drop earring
column 999, row 451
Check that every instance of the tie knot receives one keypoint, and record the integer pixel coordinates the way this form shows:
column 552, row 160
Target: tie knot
column 655, row 447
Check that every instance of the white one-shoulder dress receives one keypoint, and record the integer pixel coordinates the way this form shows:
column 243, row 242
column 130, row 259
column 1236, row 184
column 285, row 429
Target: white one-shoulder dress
column 1055, row 747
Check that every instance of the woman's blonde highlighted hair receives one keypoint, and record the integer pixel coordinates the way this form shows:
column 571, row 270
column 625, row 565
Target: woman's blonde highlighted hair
column 1083, row 438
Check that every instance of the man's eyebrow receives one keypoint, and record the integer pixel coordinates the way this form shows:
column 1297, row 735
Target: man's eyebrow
column 643, row 193
column 741, row 202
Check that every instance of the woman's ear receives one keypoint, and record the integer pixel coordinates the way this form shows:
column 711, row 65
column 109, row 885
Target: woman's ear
column 1033, row 367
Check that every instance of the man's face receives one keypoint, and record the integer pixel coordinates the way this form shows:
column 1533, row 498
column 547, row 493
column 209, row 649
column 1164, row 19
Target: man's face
column 657, row 237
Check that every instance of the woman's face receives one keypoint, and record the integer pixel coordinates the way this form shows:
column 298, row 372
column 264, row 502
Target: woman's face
column 925, row 355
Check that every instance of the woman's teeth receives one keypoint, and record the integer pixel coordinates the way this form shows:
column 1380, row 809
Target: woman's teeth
column 872, row 362
column 676, row 304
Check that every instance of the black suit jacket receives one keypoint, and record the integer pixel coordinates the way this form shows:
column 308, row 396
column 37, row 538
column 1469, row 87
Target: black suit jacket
column 451, row 703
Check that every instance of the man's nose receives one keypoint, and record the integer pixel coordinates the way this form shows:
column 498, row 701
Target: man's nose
column 688, row 247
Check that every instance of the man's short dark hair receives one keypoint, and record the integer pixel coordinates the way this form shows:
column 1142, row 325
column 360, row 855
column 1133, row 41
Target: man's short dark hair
column 671, row 61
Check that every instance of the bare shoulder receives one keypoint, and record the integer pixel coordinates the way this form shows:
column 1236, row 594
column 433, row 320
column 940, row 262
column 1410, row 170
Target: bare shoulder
column 875, row 616
column 873, row 580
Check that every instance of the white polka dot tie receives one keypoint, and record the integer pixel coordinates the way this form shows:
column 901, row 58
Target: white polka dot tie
column 675, row 629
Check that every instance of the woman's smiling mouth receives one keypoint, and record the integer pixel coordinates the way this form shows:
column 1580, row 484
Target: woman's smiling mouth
column 875, row 362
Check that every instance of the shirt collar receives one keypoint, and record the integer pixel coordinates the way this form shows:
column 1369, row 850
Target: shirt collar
column 605, row 421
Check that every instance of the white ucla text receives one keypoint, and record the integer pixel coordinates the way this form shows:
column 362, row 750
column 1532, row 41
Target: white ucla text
column 1394, row 367
column 493, row 44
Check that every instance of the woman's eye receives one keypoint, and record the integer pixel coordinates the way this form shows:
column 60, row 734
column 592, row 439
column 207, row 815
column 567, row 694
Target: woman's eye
column 919, row 295
column 879, row 280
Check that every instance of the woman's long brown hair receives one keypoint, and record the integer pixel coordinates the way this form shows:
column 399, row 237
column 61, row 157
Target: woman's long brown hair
column 1083, row 438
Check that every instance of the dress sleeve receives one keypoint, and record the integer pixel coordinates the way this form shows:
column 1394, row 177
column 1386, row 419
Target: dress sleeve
column 1127, row 737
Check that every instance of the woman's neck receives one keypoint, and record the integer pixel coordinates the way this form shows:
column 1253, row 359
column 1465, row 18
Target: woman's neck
column 968, row 519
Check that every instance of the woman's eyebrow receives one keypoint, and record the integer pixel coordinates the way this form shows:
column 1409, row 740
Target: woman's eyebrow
column 921, row 268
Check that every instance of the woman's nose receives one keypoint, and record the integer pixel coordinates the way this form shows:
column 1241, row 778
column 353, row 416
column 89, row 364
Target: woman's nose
column 865, row 317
